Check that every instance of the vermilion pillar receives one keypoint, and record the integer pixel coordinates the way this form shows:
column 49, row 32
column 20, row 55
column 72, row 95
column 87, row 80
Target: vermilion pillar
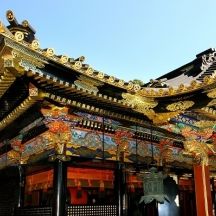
column 203, row 190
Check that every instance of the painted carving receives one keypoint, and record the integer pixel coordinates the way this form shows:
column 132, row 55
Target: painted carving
column 60, row 135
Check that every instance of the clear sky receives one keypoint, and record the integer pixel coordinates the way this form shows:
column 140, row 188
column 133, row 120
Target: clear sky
column 129, row 39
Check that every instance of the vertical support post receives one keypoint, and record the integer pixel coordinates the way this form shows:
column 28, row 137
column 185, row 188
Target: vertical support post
column 21, row 189
column 203, row 190
column 213, row 195
column 103, row 136
column 119, row 187
column 59, row 185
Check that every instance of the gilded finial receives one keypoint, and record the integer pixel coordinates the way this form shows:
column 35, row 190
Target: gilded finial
column 25, row 28
column 11, row 18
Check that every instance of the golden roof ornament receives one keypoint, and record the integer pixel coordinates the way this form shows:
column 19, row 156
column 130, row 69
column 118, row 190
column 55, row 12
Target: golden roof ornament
column 35, row 44
column 23, row 31
column 19, row 36
column 64, row 59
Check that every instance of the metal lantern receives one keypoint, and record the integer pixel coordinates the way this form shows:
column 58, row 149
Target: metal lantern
column 153, row 187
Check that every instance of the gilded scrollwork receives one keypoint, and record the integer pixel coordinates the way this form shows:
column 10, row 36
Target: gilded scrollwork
column 199, row 150
column 139, row 103
column 204, row 124
column 180, row 105
column 145, row 106
column 212, row 103
column 87, row 83
column 25, row 52
column 161, row 118
column 130, row 86
column 212, row 93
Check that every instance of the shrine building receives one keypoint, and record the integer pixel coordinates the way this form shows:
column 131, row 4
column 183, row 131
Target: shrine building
column 75, row 141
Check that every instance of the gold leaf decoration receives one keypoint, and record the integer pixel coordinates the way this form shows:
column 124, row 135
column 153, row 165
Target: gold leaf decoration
column 100, row 75
column 198, row 149
column 19, row 36
column 171, row 91
column 2, row 28
column 121, row 82
column 180, row 106
column 194, row 84
column 88, row 83
column 181, row 88
column 90, row 71
column 161, row 118
column 206, row 79
column 64, row 59
column 139, row 103
column 50, row 52
column 212, row 103
column 130, row 86
column 161, row 91
column 205, row 124
column 35, row 44
column 212, row 94
column 77, row 65
column 111, row 79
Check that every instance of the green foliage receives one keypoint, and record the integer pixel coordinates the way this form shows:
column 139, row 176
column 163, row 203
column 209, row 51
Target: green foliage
column 137, row 81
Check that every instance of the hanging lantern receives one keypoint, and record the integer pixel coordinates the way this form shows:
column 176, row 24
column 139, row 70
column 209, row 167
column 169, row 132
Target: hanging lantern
column 153, row 187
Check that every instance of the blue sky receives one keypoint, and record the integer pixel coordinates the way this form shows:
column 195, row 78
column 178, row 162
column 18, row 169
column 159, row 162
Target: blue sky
column 129, row 39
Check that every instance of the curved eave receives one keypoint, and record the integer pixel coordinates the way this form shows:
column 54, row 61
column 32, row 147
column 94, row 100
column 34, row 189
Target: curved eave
column 63, row 62
column 166, row 93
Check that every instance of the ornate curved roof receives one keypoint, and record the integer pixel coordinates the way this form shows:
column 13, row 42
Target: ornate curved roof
column 179, row 104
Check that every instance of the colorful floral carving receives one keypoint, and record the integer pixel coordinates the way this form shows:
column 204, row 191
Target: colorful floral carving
column 60, row 135
column 122, row 139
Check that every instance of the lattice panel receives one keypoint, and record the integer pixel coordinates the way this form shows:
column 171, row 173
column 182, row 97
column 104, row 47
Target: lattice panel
column 43, row 211
column 5, row 211
column 99, row 210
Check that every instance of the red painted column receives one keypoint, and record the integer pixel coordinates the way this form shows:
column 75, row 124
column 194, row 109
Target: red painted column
column 203, row 190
